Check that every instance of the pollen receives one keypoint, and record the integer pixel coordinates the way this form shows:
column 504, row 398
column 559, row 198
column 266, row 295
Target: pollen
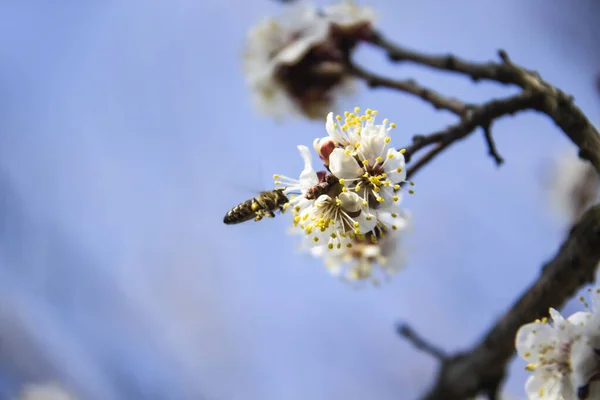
column 411, row 191
column 380, row 199
column 379, row 159
column 338, row 117
column 342, row 181
column 396, row 187
column 398, row 170
column 530, row 367
column 387, row 139
column 392, row 125
column 402, row 151
column 276, row 176
column 330, row 246
column 316, row 239
column 396, row 198
column 357, row 109
column 365, row 162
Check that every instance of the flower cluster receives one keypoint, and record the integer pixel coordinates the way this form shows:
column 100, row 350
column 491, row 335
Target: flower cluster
column 350, row 215
column 294, row 63
column 563, row 355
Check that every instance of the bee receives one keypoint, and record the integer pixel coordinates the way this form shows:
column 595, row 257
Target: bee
column 264, row 205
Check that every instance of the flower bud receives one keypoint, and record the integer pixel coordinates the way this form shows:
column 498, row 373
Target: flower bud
column 324, row 147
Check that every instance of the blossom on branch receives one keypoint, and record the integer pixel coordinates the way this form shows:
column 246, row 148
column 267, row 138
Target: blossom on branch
column 350, row 215
column 562, row 355
column 295, row 63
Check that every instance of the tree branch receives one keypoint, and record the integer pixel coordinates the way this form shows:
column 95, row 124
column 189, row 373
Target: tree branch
column 482, row 367
column 479, row 116
column 409, row 86
column 553, row 102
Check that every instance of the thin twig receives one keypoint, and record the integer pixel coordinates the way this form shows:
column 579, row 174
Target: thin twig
column 478, row 116
column 502, row 73
column 492, row 150
column 439, row 101
column 413, row 337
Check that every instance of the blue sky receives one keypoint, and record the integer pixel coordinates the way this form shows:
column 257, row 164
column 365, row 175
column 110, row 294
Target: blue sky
column 127, row 133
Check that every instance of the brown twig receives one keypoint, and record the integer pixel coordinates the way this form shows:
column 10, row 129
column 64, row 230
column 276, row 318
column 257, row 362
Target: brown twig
column 492, row 150
column 479, row 116
column 549, row 99
column 439, row 101
column 413, row 337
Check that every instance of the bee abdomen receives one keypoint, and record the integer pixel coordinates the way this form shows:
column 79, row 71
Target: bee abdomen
column 240, row 213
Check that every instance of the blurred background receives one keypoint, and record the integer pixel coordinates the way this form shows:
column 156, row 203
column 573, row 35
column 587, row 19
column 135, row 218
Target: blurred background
column 127, row 132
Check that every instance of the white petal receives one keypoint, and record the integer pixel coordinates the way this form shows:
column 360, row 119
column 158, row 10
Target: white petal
column 308, row 177
column 366, row 221
column 372, row 146
column 294, row 52
column 350, row 201
column 392, row 164
column 344, row 166
column 580, row 318
column 321, row 200
column 556, row 317
column 584, row 363
column 330, row 127
column 531, row 335
column 542, row 387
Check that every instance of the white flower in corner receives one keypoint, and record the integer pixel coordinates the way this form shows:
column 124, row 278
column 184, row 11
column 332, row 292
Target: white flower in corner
column 547, row 349
column 564, row 357
column 294, row 63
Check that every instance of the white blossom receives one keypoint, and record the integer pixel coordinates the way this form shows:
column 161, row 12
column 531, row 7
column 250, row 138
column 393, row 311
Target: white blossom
column 294, row 62
column 351, row 215
column 562, row 355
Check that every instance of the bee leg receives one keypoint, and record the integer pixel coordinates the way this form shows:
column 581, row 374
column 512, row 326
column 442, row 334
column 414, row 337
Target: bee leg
column 259, row 216
column 269, row 214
